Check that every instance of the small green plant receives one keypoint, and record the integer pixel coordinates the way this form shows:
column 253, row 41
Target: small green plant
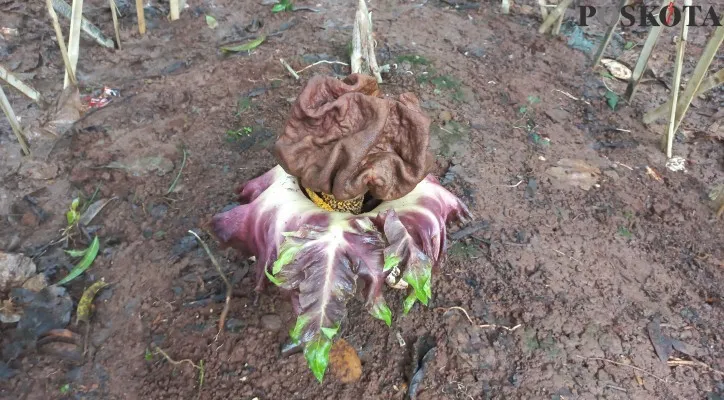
column 72, row 215
column 283, row 5
column 148, row 356
column 65, row 389
column 236, row 134
column 413, row 59
column 624, row 232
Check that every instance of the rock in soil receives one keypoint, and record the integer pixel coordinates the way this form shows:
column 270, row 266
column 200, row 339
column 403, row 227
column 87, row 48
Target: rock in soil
column 14, row 270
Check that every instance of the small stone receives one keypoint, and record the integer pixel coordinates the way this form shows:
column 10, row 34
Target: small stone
column 159, row 210
column 445, row 116
column 611, row 174
column 35, row 169
column 36, row 283
column 29, row 219
column 558, row 115
column 234, row 325
column 14, row 270
column 271, row 322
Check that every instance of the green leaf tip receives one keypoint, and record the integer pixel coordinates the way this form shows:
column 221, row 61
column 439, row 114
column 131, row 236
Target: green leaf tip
column 408, row 303
column 296, row 333
column 273, row 279
column 330, row 332
column 88, row 257
column 286, row 255
column 391, row 262
column 317, row 354
column 420, row 283
column 381, row 311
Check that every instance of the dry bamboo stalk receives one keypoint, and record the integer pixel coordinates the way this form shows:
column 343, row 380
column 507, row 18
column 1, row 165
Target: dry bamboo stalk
column 609, row 34
column 557, row 28
column 15, row 82
column 114, row 13
column 554, row 15
column 543, row 9
column 8, row 110
column 698, row 75
column 65, row 10
column 363, row 59
column 680, row 49
column 174, row 5
column 141, row 17
column 74, row 39
column 706, row 85
column 61, row 42
column 505, row 7
column 643, row 60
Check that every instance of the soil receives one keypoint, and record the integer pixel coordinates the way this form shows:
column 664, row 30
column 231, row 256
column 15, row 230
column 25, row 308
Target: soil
column 579, row 273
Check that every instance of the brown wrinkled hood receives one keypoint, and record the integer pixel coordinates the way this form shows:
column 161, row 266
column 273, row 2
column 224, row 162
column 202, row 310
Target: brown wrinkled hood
column 342, row 139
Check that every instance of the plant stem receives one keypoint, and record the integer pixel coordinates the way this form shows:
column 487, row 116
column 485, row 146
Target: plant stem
column 8, row 110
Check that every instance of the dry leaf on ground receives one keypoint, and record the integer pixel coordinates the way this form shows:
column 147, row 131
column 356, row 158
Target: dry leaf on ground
column 574, row 173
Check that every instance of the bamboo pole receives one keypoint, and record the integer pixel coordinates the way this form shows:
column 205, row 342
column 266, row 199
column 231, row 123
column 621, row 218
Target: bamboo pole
column 61, row 42
column 543, row 9
column 697, row 79
column 91, row 30
column 554, row 15
column 116, row 29
column 644, row 57
column 15, row 82
column 680, row 49
column 8, row 110
column 609, row 34
column 74, row 39
column 141, row 17
column 175, row 11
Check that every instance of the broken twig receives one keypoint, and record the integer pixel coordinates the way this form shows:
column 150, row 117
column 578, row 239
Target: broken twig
column 289, row 68
column 225, row 311
column 21, row 86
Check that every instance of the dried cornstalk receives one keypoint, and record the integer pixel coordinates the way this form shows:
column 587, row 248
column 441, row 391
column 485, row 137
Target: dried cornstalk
column 61, row 42
column 646, row 52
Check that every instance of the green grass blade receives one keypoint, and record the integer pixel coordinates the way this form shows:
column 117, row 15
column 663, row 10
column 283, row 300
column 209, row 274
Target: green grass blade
column 84, row 264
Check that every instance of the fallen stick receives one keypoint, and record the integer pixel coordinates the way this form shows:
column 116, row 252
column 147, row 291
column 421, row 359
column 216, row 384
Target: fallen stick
column 8, row 110
column 65, row 10
column 225, row 311
column 289, row 68
column 15, row 82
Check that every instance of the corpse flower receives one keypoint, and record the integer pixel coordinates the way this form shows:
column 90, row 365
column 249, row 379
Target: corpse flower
column 350, row 207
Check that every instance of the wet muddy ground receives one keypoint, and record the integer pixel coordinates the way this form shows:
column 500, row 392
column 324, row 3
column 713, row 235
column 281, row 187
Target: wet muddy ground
column 580, row 246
